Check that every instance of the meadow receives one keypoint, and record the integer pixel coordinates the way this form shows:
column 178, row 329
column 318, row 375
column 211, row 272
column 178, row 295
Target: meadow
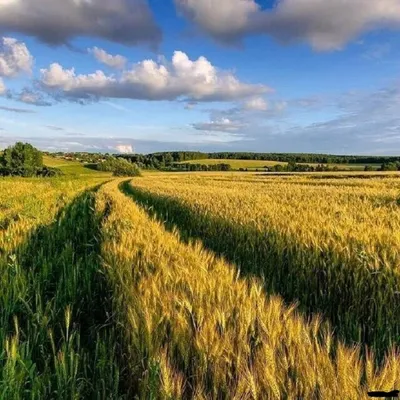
column 198, row 286
column 73, row 168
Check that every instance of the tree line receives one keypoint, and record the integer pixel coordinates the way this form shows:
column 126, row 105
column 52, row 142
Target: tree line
column 305, row 158
column 200, row 167
column 171, row 159
column 23, row 159
column 179, row 160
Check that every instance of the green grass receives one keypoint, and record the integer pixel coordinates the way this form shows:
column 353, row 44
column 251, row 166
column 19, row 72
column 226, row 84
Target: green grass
column 72, row 167
column 260, row 164
column 55, row 312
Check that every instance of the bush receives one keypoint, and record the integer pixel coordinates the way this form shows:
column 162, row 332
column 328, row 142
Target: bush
column 391, row 166
column 48, row 172
column 119, row 167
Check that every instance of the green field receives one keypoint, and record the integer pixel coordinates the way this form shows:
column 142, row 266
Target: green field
column 72, row 167
column 260, row 164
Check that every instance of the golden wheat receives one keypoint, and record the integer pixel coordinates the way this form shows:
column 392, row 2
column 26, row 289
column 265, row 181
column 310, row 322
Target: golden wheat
column 330, row 243
column 193, row 328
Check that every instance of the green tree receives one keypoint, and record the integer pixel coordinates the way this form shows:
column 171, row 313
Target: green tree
column 22, row 159
column 391, row 166
column 119, row 167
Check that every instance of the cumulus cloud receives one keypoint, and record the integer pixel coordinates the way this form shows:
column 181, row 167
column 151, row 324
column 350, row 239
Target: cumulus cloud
column 56, row 22
column 182, row 78
column 225, row 20
column 15, row 57
column 325, row 25
column 117, row 61
column 124, row 148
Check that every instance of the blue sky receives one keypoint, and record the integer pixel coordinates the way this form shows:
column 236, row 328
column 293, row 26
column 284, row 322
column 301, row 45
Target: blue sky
column 232, row 75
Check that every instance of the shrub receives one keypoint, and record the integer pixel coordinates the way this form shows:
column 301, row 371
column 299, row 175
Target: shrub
column 391, row 166
column 48, row 172
column 119, row 167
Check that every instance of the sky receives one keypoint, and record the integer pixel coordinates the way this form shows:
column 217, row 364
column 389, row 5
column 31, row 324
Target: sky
column 126, row 76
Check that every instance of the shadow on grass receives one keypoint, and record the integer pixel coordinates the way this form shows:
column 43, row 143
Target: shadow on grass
column 362, row 306
column 93, row 167
column 65, row 335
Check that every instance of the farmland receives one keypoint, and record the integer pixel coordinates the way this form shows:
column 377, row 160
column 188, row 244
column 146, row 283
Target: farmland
column 261, row 165
column 198, row 286
column 72, row 167
column 237, row 164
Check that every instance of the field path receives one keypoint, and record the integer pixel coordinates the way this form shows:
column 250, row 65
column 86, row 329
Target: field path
column 55, row 311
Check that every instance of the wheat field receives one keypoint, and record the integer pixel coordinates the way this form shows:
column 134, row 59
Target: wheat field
column 199, row 286
column 331, row 244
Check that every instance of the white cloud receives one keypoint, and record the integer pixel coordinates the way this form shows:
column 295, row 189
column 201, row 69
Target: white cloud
column 363, row 123
column 243, row 117
column 3, row 88
column 56, row 77
column 29, row 96
column 15, row 57
column 225, row 20
column 256, row 104
column 220, row 125
column 324, row 24
column 183, row 79
column 124, row 148
column 58, row 21
column 117, row 61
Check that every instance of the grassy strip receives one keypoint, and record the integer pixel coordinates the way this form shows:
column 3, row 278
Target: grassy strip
column 55, row 316
column 362, row 306
column 194, row 330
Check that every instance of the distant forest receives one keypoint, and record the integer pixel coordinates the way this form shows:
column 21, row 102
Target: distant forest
column 167, row 158
column 171, row 160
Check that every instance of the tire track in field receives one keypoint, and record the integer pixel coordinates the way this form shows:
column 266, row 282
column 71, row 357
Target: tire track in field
column 56, row 314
